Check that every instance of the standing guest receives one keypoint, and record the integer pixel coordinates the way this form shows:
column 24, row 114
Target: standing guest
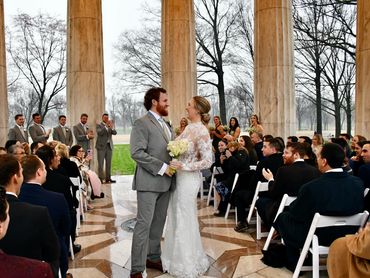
column 32, row 192
column 62, row 133
column 234, row 130
column 14, row 266
column 255, row 125
column 183, row 123
column 82, row 133
column 104, row 146
column 37, row 131
column 18, row 132
column 257, row 141
column 218, row 133
column 334, row 193
column 30, row 233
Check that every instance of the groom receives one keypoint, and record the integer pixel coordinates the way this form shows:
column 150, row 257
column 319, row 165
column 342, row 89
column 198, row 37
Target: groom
column 152, row 181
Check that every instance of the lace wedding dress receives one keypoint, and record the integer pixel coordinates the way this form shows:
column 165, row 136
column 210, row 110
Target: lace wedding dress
column 182, row 252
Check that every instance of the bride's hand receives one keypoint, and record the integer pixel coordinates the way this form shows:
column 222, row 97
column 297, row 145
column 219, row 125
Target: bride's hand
column 175, row 164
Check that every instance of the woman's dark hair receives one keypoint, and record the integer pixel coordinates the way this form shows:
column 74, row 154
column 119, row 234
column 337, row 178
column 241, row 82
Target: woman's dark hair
column 255, row 115
column 9, row 166
column 3, row 204
column 306, row 139
column 46, row 154
column 152, row 93
column 236, row 124
column 73, row 151
column 10, row 143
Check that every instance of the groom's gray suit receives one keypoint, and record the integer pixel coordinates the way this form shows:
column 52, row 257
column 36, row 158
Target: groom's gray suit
column 149, row 149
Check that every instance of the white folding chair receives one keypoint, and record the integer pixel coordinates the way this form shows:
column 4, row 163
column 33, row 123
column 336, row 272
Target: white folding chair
column 366, row 191
column 71, row 248
column 320, row 221
column 285, row 202
column 252, row 167
column 236, row 177
column 215, row 171
column 261, row 186
column 81, row 202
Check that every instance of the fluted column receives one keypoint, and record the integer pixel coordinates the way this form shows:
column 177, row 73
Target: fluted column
column 178, row 55
column 3, row 81
column 85, row 67
column 274, row 97
column 362, row 117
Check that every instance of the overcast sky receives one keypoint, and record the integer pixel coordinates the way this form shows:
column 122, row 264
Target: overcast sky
column 118, row 15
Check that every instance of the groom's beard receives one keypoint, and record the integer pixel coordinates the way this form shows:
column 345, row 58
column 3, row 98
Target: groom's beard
column 161, row 109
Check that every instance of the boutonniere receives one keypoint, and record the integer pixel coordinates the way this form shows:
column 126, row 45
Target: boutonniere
column 67, row 129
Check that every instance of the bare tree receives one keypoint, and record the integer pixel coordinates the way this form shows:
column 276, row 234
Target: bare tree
column 37, row 48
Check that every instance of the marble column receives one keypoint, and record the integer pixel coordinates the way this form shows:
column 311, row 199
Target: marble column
column 362, row 109
column 85, row 67
column 274, row 97
column 3, row 82
column 178, row 63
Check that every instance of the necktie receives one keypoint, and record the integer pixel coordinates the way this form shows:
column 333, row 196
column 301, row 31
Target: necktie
column 165, row 129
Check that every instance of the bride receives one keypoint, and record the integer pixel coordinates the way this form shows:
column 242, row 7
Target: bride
column 183, row 254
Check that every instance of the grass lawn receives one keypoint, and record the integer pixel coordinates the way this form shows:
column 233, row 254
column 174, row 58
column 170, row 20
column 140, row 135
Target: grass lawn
column 122, row 164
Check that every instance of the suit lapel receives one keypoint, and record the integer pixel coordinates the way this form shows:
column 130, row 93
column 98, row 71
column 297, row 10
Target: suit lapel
column 158, row 125
column 20, row 132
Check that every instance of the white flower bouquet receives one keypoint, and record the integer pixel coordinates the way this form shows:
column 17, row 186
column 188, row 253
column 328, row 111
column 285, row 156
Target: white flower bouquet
column 177, row 148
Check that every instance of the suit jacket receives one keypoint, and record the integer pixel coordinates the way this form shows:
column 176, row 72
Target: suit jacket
column 331, row 194
column 30, row 233
column 104, row 137
column 289, row 179
column 37, row 133
column 16, row 267
column 55, row 202
column 16, row 134
column 148, row 145
column 80, row 136
column 58, row 135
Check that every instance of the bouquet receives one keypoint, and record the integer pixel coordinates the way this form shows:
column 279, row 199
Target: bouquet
column 177, row 148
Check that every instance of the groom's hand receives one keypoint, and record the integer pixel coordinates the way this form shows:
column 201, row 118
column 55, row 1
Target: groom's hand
column 168, row 171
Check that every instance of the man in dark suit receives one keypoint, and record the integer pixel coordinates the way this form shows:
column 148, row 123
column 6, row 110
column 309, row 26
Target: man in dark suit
column 18, row 132
column 289, row 179
column 104, row 146
column 364, row 170
column 30, row 233
column 273, row 160
column 37, row 131
column 257, row 141
column 34, row 174
column 82, row 133
column 62, row 133
column 334, row 193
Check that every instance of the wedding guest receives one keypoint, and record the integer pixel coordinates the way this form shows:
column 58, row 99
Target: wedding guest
column 66, row 166
column 267, row 137
column 355, row 140
column 317, row 142
column 183, row 123
column 18, row 132
column 77, row 155
column 62, row 133
column 349, row 256
column 255, row 125
column 234, row 130
column 35, row 146
column 246, row 142
column 305, row 139
column 17, row 151
column 257, row 141
column 292, row 139
column 343, row 143
column 30, row 233
column 14, row 266
column 218, row 133
column 356, row 161
column 309, row 156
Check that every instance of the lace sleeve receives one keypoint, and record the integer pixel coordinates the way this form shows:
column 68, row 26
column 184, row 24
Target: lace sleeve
column 199, row 155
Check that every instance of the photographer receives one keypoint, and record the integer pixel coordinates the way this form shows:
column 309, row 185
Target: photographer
column 233, row 160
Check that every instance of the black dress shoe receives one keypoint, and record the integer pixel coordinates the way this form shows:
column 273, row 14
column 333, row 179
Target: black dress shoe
column 110, row 181
column 156, row 265
column 76, row 248
column 102, row 195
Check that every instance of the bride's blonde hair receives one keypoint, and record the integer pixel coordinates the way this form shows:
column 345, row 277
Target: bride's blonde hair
column 203, row 106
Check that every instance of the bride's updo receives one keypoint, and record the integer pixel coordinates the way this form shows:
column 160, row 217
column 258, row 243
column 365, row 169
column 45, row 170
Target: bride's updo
column 203, row 106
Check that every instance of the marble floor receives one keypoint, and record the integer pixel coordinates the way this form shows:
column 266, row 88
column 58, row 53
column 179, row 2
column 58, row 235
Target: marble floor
column 106, row 245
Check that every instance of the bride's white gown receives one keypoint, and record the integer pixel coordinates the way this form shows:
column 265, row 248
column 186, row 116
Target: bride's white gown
column 182, row 252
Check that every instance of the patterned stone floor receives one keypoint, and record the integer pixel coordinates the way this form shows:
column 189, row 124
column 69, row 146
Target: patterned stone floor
column 106, row 246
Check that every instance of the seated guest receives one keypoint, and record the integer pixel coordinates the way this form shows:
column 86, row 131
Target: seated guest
column 14, row 266
column 258, row 144
column 35, row 146
column 273, row 160
column 235, row 160
column 57, row 182
column 334, row 193
column 34, row 174
column 17, row 151
column 289, row 179
column 30, row 233
column 305, row 139
column 77, row 155
column 355, row 140
column 267, row 137
column 350, row 256
column 292, row 139
column 317, row 142
column 343, row 143
column 346, row 137
column 364, row 170
column 309, row 157
column 355, row 162
column 246, row 142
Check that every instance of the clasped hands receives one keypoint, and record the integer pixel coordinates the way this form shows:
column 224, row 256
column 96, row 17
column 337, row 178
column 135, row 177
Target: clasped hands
column 174, row 165
column 267, row 174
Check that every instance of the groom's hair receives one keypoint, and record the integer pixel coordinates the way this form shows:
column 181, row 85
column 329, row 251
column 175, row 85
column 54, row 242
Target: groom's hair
column 152, row 93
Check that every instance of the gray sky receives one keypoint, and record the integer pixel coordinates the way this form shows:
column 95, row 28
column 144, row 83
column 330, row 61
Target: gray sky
column 118, row 15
